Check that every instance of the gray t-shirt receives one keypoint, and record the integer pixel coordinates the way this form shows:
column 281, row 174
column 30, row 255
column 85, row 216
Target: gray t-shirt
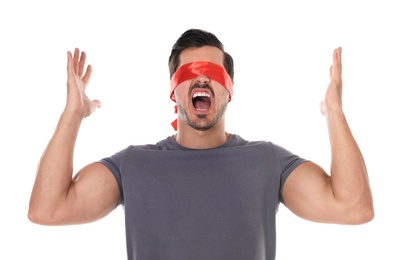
column 210, row 204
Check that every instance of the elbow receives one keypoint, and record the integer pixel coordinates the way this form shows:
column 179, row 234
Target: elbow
column 41, row 219
column 40, row 216
column 359, row 211
column 33, row 217
column 36, row 217
column 363, row 215
column 368, row 216
column 366, row 211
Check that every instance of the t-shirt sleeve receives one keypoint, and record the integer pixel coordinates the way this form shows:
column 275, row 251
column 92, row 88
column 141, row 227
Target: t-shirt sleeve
column 288, row 162
column 113, row 163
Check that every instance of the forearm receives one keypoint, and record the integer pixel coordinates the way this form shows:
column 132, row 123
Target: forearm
column 349, row 174
column 54, row 172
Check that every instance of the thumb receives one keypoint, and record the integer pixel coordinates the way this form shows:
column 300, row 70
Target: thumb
column 322, row 107
column 96, row 103
column 93, row 106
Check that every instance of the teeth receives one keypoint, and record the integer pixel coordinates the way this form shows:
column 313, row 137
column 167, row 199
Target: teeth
column 201, row 94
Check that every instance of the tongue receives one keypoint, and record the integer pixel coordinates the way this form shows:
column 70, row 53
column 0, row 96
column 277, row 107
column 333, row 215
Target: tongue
column 202, row 103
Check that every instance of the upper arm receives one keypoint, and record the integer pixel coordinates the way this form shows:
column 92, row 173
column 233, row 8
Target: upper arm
column 93, row 194
column 308, row 193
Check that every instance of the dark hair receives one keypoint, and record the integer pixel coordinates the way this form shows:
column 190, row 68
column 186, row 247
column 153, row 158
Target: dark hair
column 197, row 38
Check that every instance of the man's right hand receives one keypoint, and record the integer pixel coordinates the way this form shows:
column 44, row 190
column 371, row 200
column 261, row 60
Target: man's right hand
column 77, row 101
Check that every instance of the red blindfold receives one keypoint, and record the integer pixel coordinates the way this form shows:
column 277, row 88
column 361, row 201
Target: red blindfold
column 197, row 68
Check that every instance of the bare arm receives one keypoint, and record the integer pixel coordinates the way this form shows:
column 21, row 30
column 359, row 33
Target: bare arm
column 344, row 196
column 57, row 198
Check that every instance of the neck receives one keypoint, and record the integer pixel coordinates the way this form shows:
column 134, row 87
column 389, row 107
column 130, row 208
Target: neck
column 195, row 139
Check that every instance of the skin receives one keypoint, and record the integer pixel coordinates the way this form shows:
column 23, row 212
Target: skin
column 58, row 198
column 186, row 135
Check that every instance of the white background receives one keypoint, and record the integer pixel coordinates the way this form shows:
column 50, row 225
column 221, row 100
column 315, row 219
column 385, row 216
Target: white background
column 282, row 52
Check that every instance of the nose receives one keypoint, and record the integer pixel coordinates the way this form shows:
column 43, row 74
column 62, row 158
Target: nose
column 202, row 79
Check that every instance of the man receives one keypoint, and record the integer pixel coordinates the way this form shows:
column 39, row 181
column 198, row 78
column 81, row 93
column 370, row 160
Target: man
column 202, row 193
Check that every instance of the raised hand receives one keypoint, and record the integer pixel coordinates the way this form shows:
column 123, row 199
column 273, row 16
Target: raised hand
column 333, row 95
column 77, row 101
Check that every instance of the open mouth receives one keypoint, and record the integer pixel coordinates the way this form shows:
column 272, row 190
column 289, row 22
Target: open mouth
column 201, row 101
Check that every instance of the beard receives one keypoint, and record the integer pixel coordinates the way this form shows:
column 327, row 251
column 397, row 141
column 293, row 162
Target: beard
column 201, row 123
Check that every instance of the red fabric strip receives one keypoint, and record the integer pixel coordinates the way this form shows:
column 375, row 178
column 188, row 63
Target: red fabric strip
column 197, row 68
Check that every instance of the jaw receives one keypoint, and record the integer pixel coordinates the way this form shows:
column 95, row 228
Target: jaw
column 201, row 127
column 202, row 120
column 192, row 138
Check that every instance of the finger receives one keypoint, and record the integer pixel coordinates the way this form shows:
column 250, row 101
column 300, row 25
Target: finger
column 82, row 61
column 87, row 75
column 76, row 59
column 339, row 61
column 70, row 66
column 337, row 64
